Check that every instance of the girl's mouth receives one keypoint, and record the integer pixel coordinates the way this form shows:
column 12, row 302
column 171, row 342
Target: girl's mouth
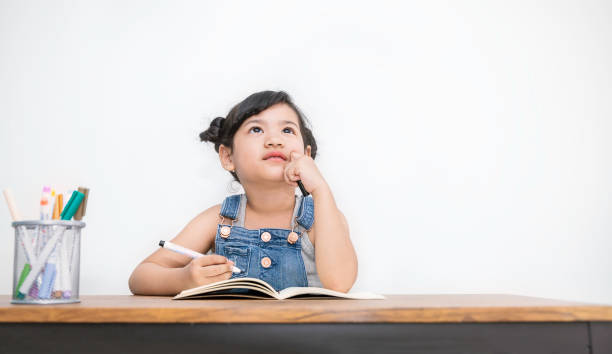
column 275, row 154
column 275, row 158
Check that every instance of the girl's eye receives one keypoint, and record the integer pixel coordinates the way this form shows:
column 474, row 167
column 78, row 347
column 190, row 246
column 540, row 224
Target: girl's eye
column 290, row 130
column 253, row 129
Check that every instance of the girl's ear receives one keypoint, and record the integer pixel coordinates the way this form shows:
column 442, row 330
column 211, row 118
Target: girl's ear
column 225, row 156
column 308, row 148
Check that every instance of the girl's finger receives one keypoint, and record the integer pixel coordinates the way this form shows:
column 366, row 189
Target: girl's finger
column 294, row 175
column 287, row 176
column 209, row 260
column 223, row 276
column 215, row 270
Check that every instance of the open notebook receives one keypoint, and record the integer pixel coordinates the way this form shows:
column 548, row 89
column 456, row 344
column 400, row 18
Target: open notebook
column 259, row 289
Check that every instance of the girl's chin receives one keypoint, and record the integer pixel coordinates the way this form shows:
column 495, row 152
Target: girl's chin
column 270, row 175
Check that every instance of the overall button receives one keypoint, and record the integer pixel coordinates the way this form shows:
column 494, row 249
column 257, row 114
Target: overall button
column 292, row 238
column 265, row 237
column 225, row 231
column 266, row 262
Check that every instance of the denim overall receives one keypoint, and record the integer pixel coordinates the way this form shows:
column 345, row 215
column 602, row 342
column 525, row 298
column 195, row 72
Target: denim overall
column 272, row 255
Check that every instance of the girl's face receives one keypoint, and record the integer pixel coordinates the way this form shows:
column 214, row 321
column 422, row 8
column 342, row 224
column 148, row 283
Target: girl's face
column 274, row 131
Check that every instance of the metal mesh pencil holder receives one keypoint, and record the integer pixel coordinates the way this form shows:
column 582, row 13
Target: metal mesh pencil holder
column 47, row 261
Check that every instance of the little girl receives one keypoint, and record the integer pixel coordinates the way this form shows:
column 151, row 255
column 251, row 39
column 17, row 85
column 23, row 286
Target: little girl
column 269, row 232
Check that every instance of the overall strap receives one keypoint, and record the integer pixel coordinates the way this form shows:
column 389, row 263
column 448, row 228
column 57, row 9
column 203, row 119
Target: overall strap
column 230, row 206
column 305, row 215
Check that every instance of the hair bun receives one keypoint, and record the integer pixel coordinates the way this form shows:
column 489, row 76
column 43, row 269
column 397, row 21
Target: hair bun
column 213, row 132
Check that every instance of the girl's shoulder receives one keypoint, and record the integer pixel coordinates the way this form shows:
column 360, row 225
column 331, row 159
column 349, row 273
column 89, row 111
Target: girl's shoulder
column 211, row 215
column 205, row 223
column 201, row 231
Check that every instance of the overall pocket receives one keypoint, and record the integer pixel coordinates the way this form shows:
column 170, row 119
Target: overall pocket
column 240, row 255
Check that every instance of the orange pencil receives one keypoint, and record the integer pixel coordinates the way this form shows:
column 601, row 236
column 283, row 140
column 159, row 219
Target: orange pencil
column 56, row 213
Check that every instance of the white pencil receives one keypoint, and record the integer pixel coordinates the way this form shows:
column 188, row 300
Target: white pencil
column 187, row 252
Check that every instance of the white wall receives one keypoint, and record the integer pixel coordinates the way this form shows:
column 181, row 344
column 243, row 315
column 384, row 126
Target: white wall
column 467, row 143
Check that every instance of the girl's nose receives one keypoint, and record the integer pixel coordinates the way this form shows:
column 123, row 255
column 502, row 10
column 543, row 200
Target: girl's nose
column 274, row 141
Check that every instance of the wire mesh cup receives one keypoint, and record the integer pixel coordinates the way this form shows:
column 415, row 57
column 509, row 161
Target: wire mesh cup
column 47, row 260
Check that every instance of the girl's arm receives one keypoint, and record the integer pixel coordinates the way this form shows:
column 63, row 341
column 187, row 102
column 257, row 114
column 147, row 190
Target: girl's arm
column 335, row 256
column 167, row 273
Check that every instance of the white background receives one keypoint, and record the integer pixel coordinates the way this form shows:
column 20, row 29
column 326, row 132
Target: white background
column 468, row 144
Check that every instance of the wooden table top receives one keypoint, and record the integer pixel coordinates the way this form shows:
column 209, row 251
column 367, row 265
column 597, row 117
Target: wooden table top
column 394, row 309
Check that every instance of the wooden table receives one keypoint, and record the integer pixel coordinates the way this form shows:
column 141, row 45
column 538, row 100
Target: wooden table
column 399, row 324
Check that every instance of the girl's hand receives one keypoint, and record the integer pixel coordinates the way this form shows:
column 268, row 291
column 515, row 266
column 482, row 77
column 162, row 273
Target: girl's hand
column 302, row 167
column 206, row 270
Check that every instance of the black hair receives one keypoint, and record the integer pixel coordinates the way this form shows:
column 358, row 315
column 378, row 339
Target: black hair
column 222, row 130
